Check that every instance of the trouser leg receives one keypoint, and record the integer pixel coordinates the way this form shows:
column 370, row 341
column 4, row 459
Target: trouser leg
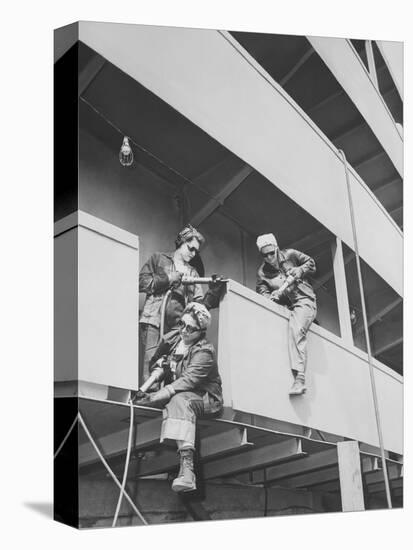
column 179, row 418
column 179, row 423
column 149, row 340
column 302, row 315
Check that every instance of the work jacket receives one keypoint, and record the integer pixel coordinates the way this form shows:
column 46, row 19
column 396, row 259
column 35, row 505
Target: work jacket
column 154, row 282
column 195, row 371
column 270, row 278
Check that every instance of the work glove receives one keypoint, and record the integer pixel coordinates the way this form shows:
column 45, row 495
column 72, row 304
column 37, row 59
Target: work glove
column 276, row 296
column 157, row 399
column 175, row 279
column 295, row 272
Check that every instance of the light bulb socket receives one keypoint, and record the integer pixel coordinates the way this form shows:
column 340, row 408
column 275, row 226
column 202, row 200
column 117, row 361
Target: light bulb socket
column 126, row 153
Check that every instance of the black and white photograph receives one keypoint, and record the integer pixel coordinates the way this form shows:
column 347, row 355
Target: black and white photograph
column 228, row 274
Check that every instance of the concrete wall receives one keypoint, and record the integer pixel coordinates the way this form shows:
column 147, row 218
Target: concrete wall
column 158, row 504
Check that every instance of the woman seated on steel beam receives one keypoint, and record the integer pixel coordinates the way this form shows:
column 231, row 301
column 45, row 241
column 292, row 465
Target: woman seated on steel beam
column 186, row 362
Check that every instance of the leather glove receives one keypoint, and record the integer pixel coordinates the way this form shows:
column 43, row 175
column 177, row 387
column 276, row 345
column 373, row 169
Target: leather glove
column 276, row 296
column 175, row 279
column 295, row 272
column 156, row 399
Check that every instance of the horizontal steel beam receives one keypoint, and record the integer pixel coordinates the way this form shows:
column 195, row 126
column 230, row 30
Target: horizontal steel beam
column 113, row 444
column 218, row 200
column 378, row 316
column 395, row 484
column 395, row 471
column 233, row 440
column 303, row 59
column 255, row 459
column 309, row 480
column 311, row 463
column 318, row 469
column 388, row 346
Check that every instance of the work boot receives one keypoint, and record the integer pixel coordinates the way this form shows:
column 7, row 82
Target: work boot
column 298, row 388
column 186, row 480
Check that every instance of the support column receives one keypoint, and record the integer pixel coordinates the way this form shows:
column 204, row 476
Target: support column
column 371, row 63
column 351, row 482
column 341, row 292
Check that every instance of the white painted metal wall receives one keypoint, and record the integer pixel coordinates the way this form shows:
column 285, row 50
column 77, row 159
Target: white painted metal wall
column 254, row 365
column 97, row 342
column 211, row 80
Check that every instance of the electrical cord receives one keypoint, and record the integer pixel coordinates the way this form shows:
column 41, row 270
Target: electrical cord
column 110, row 472
column 106, row 465
column 127, row 461
column 366, row 331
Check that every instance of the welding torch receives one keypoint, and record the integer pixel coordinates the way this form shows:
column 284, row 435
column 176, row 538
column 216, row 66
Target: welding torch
column 290, row 280
column 187, row 280
column 162, row 367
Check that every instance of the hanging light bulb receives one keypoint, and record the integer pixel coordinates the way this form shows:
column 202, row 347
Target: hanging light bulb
column 126, row 153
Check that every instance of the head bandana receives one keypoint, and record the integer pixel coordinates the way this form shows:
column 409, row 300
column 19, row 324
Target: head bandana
column 200, row 313
column 266, row 240
column 187, row 234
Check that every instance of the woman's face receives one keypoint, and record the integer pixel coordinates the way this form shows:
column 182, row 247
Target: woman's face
column 189, row 329
column 189, row 249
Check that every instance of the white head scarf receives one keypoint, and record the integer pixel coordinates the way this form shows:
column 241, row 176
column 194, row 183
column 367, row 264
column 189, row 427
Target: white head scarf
column 200, row 314
column 266, row 240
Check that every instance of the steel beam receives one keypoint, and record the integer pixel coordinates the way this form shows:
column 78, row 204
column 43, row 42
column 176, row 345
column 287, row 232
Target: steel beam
column 310, row 241
column 377, row 316
column 348, row 132
column 311, row 463
column 233, row 440
column 387, row 183
column 309, row 480
column 303, row 59
column 395, row 484
column 218, row 200
column 395, row 471
column 113, row 444
column 90, row 72
column 369, row 159
column 255, row 459
column 341, row 92
column 388, row 346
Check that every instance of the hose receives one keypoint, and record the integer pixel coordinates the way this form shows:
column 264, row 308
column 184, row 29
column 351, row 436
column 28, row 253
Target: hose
column 163, row 311
column 366, row 330
column 127, row 460
column 112, row 475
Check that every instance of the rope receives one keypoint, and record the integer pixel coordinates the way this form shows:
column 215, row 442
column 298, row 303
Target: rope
column 125, row 472
column 366, row 330
column 65, row 438
column 112, row 475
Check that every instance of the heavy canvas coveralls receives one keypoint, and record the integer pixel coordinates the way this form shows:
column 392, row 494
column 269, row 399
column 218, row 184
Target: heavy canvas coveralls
column 299, row 298
column 196, row 386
